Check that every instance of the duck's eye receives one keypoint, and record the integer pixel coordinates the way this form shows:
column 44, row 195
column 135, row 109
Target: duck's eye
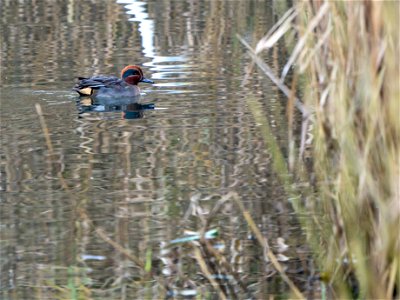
column 130, row 72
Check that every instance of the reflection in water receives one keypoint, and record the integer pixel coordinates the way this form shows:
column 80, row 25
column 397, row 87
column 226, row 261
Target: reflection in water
column 135, row 180
column 146, row 25
column 129, row 107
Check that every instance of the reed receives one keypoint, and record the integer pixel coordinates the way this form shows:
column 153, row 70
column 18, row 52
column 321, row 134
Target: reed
column 346, row 55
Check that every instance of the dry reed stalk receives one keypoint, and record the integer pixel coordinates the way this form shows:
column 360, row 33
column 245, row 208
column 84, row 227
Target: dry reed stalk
column 270, row 256
column 268, row 71
column 306, row 112
column 348, row 53
column 49, row 145
column 206, row 272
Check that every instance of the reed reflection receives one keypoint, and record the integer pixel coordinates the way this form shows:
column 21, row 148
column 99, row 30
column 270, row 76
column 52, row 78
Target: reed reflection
column 133, row 179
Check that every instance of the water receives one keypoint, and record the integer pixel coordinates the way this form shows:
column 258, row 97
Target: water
column 131, row 168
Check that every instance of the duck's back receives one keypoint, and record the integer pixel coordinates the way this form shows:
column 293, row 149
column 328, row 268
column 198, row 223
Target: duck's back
column 88, row 86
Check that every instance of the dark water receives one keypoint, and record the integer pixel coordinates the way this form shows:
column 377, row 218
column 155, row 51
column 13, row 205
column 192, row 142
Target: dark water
column 132, row 168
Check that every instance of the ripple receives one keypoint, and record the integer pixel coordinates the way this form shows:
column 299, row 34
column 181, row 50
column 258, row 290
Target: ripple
column 177, row 84
column 161, row 59
column 170, row 68
column 176, row 75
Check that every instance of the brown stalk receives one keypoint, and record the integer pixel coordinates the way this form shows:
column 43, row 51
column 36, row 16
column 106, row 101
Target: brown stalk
column 306, row 113
column 264, row 243
column 204, row 269
column 49, row 144
column 268, row 71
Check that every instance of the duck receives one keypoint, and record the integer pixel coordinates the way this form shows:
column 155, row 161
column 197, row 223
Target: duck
column 101, row 86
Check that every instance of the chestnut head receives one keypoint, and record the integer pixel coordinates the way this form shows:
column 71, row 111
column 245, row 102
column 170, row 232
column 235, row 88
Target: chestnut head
column 133, row 75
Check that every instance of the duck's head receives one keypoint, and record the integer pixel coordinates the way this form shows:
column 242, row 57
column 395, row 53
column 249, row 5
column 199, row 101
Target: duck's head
column 133, row 75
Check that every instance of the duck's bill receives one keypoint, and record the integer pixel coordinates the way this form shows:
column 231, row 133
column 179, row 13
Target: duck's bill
column 146, row 80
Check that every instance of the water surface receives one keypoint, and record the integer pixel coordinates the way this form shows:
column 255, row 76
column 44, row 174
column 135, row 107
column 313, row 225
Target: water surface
column 133, row 168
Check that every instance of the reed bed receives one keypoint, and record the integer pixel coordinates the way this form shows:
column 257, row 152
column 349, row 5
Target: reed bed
column 346, row 60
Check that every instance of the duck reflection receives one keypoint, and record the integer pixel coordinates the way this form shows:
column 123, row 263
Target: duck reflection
column 130, row 107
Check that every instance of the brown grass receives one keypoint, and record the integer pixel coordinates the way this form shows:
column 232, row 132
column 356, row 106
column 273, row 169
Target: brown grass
column 347, row 55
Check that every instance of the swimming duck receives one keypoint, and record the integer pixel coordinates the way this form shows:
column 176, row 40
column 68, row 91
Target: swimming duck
column 101, row 86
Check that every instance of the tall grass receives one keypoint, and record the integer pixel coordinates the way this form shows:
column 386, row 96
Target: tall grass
column 347, row 57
